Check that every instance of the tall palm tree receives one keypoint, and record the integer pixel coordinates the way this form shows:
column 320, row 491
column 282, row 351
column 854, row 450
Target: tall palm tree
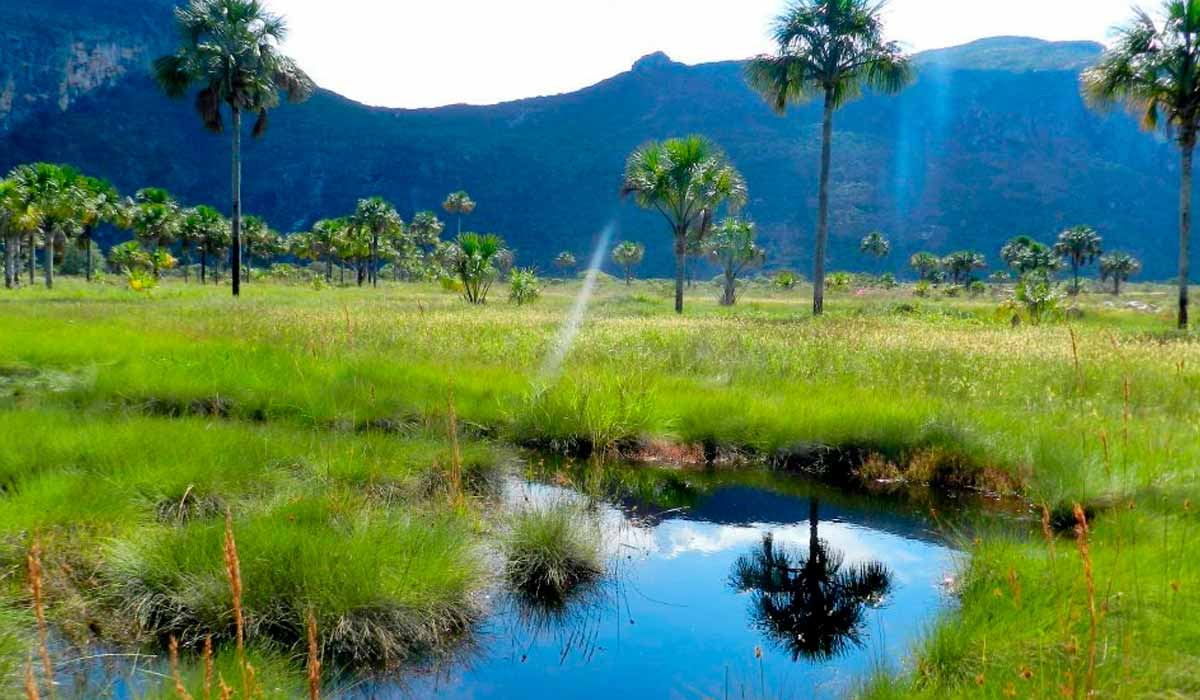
column 1153, row 69
column 811, row 606
column 1080, row 245
column 261, row 242
column 380, row 219
column 230, row 48
column 686, row 180
column 155, row 218
column 459, row 203
column 832, row 49
column 925, row 264
column 15, row 220
column 1025, row 255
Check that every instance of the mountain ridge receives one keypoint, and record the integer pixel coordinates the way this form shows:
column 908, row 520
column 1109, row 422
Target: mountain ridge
column 965, row 158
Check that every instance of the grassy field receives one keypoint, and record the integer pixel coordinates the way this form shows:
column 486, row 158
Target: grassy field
column 319, row 419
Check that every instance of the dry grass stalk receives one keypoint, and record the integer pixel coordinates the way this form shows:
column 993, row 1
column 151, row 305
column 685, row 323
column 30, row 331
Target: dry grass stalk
column 1014, row 584
column 1047, row 531
column 1075, row 357
column 1125, row 412
column 34, row 561
column 226, row 691
column 1107, row 455
column 314, row 660
column 31, row 686
column 208, row 667
column 1085, row 553
column 233, row 570
column 173, row 651
column 456, row 486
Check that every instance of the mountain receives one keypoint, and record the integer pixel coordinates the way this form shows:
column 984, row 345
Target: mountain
column 993, row 140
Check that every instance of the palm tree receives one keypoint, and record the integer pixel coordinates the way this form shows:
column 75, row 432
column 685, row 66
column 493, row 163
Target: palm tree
column 155, row 218
column 565, row 262
column 459, row 203
column 379, row 219
column 326, row 234
column 204, row 228
column 961, row 264
column 1153, row 69
column 1080, row 245
column 16, row 220
column 832, row 49
column 1118, row 267
column 230, row 48
column 925, row 265
column 1024, row 255
column 100, row 203
column 52, row 198
column 875, row 245
column 473, row 260
column 686, row 180
column 810, row 606
column 628, row 255
column 262, row 242
column 731, row 246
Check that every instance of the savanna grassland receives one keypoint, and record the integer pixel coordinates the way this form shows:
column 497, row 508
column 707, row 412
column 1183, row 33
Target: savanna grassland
column 321, row 423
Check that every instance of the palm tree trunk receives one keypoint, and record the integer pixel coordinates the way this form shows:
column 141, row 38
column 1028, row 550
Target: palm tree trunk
column 1185, row 228
column 236, row 253
column 730, row 296
column 32, row 260
column 1075, row 275
column 10, row 258
column 187, row 262
column 680, row 264
column 329, row 270
column 823, row 207
column 49, row 263
column 87, row 251
column 203, row 267
column 814, row 542
column 374, row 272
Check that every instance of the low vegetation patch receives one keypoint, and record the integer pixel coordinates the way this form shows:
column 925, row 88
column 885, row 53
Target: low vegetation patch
column 551, row 551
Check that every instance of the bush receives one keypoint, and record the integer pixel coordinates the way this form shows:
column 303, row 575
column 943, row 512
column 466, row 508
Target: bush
column 524, row 287
column 786, row 279
column 838, row 281
column 888, row 281
column 976, row 288
column 551, row 551
column 1038, row 298
column 75, row 260
column 922, row 288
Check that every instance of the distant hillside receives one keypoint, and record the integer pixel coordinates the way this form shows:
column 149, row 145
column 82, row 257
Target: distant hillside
column 992, row 141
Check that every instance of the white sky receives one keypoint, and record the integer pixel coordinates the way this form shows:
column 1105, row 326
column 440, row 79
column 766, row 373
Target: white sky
column 421, row 53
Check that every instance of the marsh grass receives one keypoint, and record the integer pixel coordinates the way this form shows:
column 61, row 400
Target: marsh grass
column 331, row 405
column 550, row 551
column 382, row 586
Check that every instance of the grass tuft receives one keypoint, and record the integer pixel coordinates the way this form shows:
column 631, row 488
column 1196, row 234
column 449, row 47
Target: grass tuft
column 551, row 551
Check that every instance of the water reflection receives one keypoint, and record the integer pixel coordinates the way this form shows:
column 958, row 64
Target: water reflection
column 812, row 605
column 815, row 566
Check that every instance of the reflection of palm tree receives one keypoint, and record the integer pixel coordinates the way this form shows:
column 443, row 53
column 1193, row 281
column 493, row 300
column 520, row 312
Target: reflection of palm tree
column 811, row 607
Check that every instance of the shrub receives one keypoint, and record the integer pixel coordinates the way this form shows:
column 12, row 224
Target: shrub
column 976, row 288
column 838, row 281
column 1038, row 297
column 888, row 281
column 524, row 287
column 551, row 551
column 922, row 288
column 786, row 279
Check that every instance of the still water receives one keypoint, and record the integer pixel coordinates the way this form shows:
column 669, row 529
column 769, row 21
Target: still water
column 759, row 587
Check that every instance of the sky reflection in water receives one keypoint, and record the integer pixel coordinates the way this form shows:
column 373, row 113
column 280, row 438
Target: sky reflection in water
column 667, row 623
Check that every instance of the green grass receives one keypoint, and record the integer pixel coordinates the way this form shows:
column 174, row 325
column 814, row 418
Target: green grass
column 551, row 550
column 124, row 403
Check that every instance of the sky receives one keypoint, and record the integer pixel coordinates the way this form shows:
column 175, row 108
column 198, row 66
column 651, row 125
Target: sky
column 425, row 53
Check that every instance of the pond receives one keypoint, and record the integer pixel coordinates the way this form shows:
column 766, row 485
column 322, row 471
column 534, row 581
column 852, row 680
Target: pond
column 719, row 585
